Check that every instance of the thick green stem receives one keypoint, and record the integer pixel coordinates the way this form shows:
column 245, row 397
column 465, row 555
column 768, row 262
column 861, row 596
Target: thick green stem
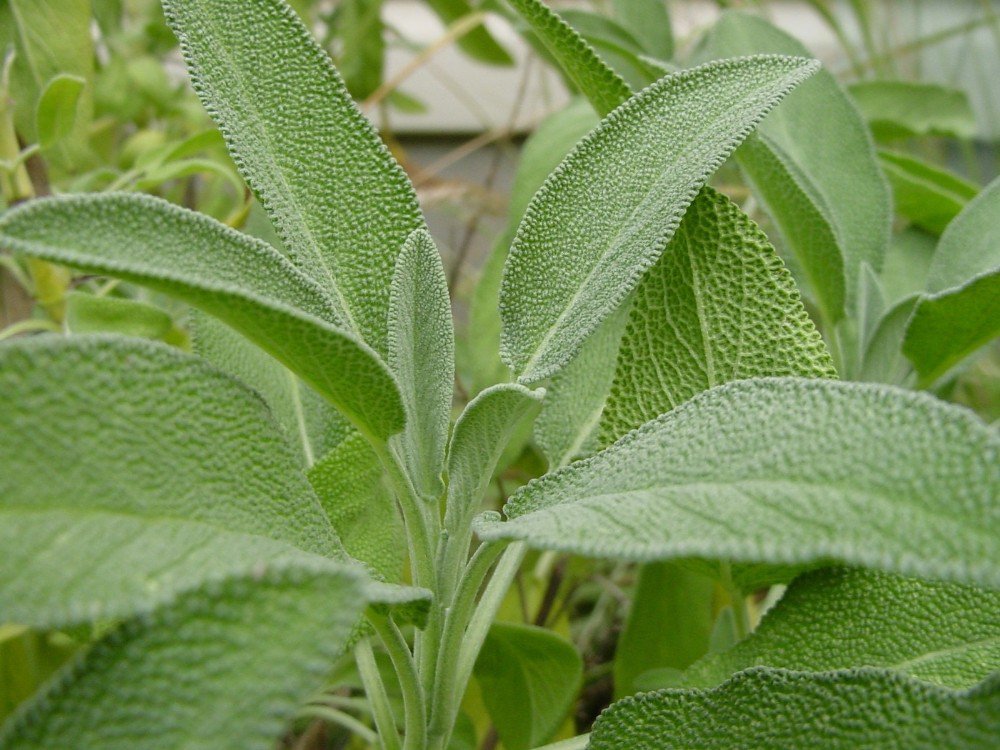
column 414, row 706
column 377, row 697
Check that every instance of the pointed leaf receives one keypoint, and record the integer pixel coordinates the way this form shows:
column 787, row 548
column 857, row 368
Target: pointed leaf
column 422, row 357
column 649, row 21
column 478, row 43
column 340, row 202
column 788, row 471
column 605, row 215
column 718, row 306
column 88, row 313
column 839, row 618
column 927, row 196
column 132, row 471
column 903, row 109
column 844, row 710
column 242, row 281
column 57, row 109
column 528, row 678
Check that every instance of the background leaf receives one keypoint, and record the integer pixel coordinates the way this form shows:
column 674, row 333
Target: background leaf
column 927, row 196
column 903, row 109
column 650, row 22
column 479, row 44
column 57, row 109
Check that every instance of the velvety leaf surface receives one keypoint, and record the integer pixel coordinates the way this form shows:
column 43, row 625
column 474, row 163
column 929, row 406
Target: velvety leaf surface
column 341, row 204
column 764, row 708
column 839, row 618
column 606, row 213
column 783, row 470
column 350, row 485
column 816, row 150
column 927, row 196
column 170, row 472
column 903, row 109
column 222, row 666
column 422, row 357
column 243, row 281
column 528, row 677
column 718, row 306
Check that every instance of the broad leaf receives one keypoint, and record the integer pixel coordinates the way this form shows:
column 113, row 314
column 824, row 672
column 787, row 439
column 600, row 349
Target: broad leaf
column 132, row 471
column 89, row 313
column 839, row 618
column 903, row 109
column 927, row 196
column 786, row 471
column 814, row 169
column 883, row 361
column 906, row 264
column 341, row 204
column 649, row 21
column 718, row 306
column 422, row 357
column 962, row 310
column 844, row 710
column 222, row 666
column 351, row 487
column 616, row 45
column 242, row 281
column 528, row 677
column 605, row 215
column 57, row 109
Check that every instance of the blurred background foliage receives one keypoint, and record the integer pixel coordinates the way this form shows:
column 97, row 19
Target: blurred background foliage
column 93, row 97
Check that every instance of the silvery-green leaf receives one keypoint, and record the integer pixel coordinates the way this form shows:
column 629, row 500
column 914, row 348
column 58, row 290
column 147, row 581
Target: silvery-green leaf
column 903, row 109
column 607, row 212
column 783, row 471
column 929, row 197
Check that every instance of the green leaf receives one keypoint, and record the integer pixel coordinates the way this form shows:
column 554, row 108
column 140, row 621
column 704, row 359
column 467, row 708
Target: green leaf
column 567, row 426
column 342, row 206
column 351, row 487
column 242, row 281
column 605, row 215
column 718, row 306
column 903, row 109
column 57, row 109
column 815, row 170
column 88, row 313
column 221, row 666
column 883, row 361
column 614, row 43
column 839, row 618
column 478, row 43
column 962, row 309
column 847, row 710
column 783, row 471
column 528, row 677
column 133, row 471
column 907, row 263
column 669, row 623
column 422, row 357
column 649, row 21
column 927, row 196
column 362, row 55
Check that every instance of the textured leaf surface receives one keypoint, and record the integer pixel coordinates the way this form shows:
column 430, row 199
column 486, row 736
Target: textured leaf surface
column 783, row 470
column 422, row 356
column 606, row 213
column 838, row 618
column 801, row 711
column 223, row 666
column 718, row 306
column 132, row 471
column 962, row 310
column 350, row 485
column 903, row 109
column 528, row 677
column 816, row 150
column 242, row 281
column 341, row 204
column 927, row 196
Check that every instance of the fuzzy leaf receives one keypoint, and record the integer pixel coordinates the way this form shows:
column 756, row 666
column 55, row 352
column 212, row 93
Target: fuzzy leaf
column 606, row 213
column 927, row 196
column 718, row 306
column 783, row 471
column 839, row 618
column 844, row 710
column 140, row 470
column 815, row 170
column 242, row 281
column 342, row 205
column 528, row 677
column 422, row 357
column 903, row 109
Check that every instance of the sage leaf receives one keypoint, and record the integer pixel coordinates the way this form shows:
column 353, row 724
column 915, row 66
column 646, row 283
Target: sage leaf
column 842, row 710
column 839, row 618
column 422, row 357
column 57, row 109
column 606, row 213
column 341, row 204
column 718, row 306
column 650, row 22
column 478, row 43
column 783, row 471
column 528, row 677
column 244, row 282
column 929, row 197
column 904, row 109
column 88, row 313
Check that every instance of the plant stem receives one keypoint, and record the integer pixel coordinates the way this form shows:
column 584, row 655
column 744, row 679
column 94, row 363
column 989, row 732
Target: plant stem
column 345, row 720
column 415, row 714
column 738, row 600
column 375, row 690
column 416, row 517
